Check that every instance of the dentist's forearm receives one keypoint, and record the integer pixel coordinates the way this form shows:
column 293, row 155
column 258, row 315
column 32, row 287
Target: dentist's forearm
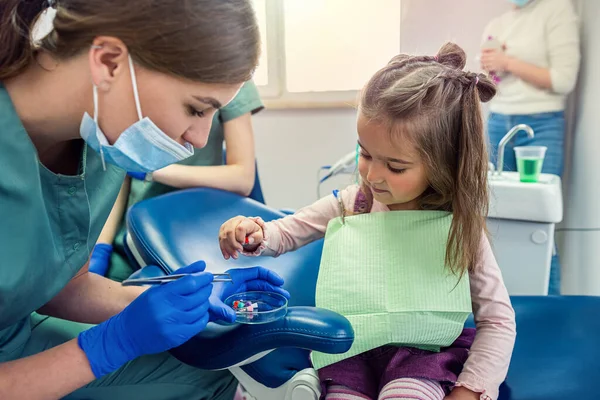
column 90, row 298
column 233, row 178
column 112, row 224
column 51, row 374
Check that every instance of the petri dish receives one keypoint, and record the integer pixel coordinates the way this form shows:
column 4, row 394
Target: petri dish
column 257, row 307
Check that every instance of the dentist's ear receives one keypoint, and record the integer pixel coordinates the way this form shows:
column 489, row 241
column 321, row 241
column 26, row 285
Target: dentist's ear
column 108, row 58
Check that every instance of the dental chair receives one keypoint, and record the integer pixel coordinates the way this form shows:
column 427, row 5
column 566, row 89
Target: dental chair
column 271, row 361
column 555, row 356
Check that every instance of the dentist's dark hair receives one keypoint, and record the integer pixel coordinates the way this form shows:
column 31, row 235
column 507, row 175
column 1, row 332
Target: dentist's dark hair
column 211, row 41
column 432, row 103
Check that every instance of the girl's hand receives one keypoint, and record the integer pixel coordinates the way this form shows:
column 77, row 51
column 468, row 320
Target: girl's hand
column 239, row 233
column 461, row 393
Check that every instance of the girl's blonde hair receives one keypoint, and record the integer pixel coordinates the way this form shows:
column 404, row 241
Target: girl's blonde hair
column 434, row 104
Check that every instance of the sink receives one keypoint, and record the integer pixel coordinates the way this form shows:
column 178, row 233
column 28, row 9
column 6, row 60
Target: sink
column 521, row 222
column 512, row 199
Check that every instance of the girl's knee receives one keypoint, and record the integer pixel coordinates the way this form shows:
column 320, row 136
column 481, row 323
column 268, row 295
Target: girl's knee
column 339, row 392
column 412, row 388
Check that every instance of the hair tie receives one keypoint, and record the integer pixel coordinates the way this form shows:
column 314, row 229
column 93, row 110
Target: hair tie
column 476, row 80
column 435, row 58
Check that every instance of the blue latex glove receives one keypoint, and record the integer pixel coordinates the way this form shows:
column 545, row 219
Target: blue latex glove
column 100, row 258
column 244, row 280
column 137, row 175
column 161, row 318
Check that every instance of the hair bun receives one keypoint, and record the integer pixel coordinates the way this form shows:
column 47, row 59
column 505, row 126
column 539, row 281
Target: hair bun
column 451, row 55
column 485, row 88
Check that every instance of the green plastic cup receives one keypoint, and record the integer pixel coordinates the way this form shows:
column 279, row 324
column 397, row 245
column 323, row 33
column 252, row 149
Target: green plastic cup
column 530, row 160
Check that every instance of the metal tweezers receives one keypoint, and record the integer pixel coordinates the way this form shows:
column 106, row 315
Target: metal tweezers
column 169, row 278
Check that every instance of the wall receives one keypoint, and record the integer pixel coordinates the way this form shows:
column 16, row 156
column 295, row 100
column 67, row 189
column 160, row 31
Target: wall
column 292, row 144
column 579, row 235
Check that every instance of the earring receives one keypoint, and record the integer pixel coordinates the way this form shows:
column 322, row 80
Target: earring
column 104, row 86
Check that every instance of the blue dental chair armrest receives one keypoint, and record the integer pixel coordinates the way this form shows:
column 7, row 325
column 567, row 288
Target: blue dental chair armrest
column 308, row 328
column 220, row 347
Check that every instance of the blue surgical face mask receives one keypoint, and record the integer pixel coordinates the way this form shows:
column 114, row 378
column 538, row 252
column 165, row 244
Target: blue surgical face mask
column 520, row 3
column 142, row 147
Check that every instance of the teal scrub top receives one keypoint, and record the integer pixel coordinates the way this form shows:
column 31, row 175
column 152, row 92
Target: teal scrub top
column 49, row 224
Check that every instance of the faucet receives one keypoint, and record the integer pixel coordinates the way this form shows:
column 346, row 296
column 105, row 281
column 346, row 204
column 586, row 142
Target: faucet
column 506, row 139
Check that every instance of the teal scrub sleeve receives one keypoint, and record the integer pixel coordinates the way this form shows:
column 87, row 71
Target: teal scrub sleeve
column 247, row 101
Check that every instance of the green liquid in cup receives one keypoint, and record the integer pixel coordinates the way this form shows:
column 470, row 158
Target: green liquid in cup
column 529, row 168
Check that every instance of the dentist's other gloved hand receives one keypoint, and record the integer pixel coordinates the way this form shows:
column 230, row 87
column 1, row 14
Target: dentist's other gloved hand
column 100, row 258
column 161, row 318
column 244, row 280
column 140, row 176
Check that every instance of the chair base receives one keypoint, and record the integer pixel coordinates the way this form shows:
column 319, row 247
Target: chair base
column 305, row 385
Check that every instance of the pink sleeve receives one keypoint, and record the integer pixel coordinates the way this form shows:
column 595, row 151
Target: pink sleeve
column 306, row 225
column 489, row 358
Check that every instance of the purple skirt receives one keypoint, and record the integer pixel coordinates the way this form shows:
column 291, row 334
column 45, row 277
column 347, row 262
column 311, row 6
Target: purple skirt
column 369, row 372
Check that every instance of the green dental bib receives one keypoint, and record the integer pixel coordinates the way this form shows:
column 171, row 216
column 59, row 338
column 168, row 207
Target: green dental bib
column 386, row 273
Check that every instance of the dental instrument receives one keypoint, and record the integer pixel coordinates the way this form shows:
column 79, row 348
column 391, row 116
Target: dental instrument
column 345, row 165
column 169, row 278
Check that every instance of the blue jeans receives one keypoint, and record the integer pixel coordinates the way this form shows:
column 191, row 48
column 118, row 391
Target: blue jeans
column 549, row 129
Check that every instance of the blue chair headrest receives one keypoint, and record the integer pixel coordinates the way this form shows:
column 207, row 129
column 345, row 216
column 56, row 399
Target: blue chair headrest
column 190, row 233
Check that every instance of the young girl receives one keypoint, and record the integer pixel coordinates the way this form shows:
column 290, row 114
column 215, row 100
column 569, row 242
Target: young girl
column 422, row 147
